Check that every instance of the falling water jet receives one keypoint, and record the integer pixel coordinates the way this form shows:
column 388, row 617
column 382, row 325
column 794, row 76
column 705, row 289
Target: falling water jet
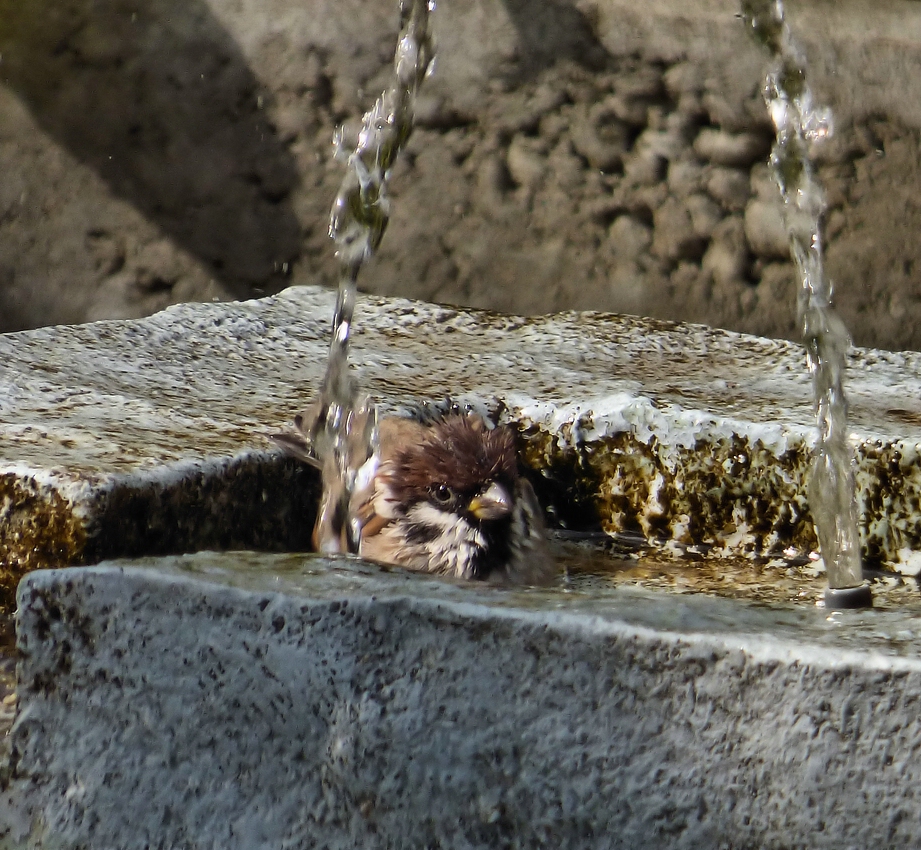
column 343, row 427
column 799, row 122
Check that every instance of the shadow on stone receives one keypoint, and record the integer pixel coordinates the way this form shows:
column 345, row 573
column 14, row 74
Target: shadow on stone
column 267, row 503
column 550, row 31
column 159, row 100
column 261, row 502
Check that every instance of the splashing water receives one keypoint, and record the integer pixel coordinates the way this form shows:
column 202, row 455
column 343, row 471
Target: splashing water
column 799, row 122
column 343, row 428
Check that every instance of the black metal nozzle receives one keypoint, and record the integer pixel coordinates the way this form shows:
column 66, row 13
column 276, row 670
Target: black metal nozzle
column 842, row 598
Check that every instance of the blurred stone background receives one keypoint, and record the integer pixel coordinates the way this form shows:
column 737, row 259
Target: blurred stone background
column 570, row 154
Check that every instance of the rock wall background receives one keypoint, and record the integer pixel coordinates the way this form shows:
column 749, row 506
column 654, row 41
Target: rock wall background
column 569, row 155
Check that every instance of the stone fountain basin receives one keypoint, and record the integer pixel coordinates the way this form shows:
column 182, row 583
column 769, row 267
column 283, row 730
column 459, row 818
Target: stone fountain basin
column 253, row 700
column 134, row 438
column 271, row 700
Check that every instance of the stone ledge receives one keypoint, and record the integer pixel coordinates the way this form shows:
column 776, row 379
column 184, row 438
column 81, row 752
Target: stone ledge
column 149, row 436
column 267, row 701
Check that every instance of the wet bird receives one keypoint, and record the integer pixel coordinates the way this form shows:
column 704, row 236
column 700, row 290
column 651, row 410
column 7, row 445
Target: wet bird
column 446, row 497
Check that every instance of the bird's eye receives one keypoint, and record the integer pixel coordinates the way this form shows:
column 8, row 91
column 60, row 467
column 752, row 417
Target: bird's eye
column 442, row 494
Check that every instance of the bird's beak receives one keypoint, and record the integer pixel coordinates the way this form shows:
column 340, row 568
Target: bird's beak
column 494, row 502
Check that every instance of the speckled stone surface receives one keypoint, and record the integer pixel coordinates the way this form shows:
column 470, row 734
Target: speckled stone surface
column 149, row 436
column 247, row 701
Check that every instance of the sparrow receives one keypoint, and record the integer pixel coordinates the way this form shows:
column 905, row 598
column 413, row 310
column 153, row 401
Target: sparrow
column 444, row 495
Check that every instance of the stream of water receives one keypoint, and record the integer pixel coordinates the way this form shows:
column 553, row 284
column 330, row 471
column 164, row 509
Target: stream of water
column 343, row 430
column 800, row 122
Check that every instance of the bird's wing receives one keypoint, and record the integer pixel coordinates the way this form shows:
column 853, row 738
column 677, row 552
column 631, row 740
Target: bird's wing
column 531, row 561
column 373, row 504
column 296, row 445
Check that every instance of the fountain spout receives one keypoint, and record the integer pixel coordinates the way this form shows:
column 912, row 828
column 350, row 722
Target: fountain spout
column 799, row 122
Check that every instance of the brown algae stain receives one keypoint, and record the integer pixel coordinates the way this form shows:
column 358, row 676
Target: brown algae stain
column 888, row 476
column 727, row 493
column 38, row 529
column 731, row 494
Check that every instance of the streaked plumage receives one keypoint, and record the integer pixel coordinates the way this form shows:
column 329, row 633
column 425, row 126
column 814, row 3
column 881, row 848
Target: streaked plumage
column 447, row 498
